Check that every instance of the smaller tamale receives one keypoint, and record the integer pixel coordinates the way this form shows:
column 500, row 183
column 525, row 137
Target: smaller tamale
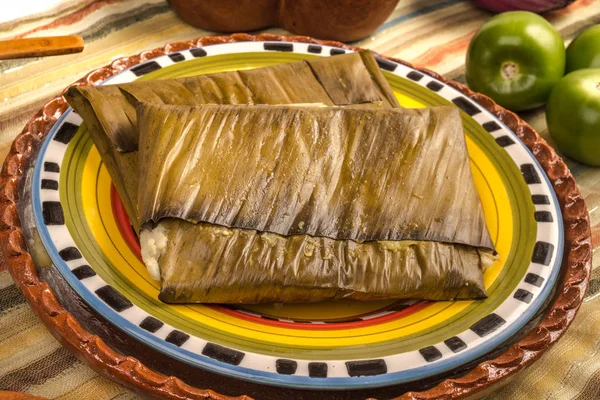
column 109, row 110
column 243, row 204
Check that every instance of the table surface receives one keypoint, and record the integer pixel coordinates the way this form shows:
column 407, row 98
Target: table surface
column 429, row 33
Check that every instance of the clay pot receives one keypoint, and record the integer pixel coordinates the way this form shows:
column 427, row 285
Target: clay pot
column 344, row 20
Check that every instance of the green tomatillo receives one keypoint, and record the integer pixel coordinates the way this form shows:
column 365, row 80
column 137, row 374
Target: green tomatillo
column 516, row 58
column 573, row 115
column 584, row 50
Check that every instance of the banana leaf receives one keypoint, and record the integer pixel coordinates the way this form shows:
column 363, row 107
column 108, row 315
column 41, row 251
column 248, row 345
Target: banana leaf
column 109, row 111
column 244, row 204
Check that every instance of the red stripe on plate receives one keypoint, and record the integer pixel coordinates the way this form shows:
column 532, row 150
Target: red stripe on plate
column 327, row 326
column 123, row 223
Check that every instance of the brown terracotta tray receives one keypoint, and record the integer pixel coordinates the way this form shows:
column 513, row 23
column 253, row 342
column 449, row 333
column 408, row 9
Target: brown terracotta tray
column 73, row 327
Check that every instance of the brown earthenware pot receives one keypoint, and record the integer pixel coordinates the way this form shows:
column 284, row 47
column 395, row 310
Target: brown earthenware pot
column 344, row 20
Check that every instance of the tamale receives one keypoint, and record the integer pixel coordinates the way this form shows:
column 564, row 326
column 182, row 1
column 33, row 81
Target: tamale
column 109, row 111
column 256, row 204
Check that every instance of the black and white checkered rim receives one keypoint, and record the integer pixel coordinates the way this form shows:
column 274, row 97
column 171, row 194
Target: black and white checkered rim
column 479, row 339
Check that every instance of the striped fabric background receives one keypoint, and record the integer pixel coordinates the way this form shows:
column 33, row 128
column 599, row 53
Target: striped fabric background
column 429, row 33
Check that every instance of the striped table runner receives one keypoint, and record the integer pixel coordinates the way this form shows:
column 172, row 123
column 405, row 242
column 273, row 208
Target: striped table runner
column 429, row 33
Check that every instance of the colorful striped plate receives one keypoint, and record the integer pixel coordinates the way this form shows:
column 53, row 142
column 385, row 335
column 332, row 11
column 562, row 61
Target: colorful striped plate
column 326, row 345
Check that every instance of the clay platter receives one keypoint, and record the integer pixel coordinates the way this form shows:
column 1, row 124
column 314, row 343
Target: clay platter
column 90, row 288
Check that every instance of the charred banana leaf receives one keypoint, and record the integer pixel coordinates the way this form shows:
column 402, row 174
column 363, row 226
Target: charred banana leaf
column 288, row 204
column 109, row 111
column 204, row 263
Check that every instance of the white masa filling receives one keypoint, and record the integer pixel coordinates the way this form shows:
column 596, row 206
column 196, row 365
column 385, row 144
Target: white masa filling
column 153, row 243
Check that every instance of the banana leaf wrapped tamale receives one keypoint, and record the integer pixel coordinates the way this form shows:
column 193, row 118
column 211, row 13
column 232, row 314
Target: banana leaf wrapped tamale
column 109, row 111
column 244, row 204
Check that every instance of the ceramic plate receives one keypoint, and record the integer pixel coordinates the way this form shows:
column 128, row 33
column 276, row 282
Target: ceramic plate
column 325, row 345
